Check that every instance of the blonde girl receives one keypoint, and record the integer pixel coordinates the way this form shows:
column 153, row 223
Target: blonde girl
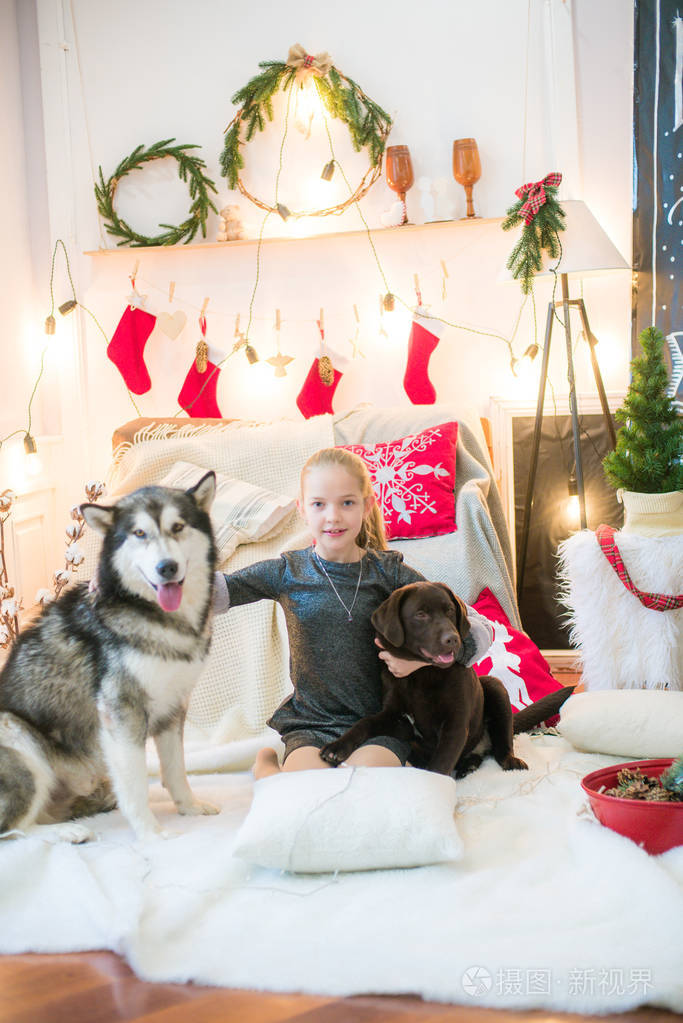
column 328, row 592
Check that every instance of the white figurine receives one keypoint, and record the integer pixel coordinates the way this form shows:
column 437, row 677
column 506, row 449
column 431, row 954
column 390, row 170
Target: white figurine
column 230, row 227
column 426, row 198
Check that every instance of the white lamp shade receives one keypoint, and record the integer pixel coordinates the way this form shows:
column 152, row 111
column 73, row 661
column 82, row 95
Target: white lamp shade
column 585, row 246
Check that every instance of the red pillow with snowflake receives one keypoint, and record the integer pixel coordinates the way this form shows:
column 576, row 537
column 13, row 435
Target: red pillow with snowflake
column 514, row 658
column 414, row 480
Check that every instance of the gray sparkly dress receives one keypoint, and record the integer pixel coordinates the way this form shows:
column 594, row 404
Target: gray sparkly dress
column 334, row 663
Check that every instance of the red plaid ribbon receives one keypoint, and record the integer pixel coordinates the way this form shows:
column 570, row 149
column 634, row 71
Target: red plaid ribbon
column 308, row 60
column 656, row 601
column 535, row 192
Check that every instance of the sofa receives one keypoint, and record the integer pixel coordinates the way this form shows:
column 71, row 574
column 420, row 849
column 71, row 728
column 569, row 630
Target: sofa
column 247, row 673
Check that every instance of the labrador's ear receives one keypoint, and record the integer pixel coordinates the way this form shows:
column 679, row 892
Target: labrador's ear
column 462, row 621
column 387, row 618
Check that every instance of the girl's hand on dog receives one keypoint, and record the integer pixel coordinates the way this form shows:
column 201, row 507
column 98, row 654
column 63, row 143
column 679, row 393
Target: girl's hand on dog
column 399, row 667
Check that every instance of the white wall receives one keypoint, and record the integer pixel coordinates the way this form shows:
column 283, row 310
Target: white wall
column 132, row 73
column 21, row 338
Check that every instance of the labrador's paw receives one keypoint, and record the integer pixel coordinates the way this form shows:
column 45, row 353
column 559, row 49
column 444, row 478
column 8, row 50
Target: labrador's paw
column 335, row 753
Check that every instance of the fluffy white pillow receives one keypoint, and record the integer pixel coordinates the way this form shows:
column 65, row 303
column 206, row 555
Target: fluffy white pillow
column 638, row 723
column 350, row 818
column 241, row 512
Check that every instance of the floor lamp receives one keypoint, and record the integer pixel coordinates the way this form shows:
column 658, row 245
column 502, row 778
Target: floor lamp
column 585, row 249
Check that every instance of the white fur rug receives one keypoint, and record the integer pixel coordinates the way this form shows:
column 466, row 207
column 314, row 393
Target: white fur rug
column 547, row 909
column 623, row 644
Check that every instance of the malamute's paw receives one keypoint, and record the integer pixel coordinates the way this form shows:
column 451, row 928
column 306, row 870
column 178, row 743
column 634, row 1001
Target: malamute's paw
column 69, row 831
column 198, row 808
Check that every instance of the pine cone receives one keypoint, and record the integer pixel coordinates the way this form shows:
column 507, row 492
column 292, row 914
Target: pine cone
column 326, row 370
column 201, row 356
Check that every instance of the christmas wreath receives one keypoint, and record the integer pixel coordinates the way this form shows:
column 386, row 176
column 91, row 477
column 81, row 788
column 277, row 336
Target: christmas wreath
column 190, row 169
column 537, row 206
column 368, row 124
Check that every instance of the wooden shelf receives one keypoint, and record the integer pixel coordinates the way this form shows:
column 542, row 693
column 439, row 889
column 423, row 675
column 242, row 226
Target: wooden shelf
column 405, row 229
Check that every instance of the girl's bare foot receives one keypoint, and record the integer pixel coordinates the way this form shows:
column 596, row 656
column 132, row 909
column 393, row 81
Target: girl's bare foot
column 266, row 763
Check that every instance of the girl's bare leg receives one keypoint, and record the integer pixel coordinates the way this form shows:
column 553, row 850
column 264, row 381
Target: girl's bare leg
column 305, row 758
column 373, row 756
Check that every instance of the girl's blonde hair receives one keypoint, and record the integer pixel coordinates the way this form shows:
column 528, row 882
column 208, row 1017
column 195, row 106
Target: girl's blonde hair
column 372, row 531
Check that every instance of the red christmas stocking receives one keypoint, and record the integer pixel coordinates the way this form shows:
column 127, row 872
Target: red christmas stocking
column 315, row 397
column 198, row 393
column 424, row 337
column 127, row 347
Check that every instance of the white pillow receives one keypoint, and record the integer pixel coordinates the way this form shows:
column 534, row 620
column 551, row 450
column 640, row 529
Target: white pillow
column 638, row 723
column 350, row 818
column 241, row 512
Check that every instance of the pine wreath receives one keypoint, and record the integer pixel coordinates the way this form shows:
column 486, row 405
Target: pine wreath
column 190, row 169
column 543, row 218
column 368, row 124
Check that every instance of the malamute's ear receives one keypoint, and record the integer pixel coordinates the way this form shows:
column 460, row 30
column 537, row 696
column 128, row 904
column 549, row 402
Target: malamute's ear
column 97, row 516
column 204, row 491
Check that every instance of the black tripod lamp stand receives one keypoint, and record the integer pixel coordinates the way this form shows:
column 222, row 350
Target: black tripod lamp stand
column 585, row 249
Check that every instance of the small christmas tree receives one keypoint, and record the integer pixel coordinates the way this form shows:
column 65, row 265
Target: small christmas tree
column 649, row 454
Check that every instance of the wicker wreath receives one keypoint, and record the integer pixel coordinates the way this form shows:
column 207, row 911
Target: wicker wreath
column 190, row 169
column 368, row 124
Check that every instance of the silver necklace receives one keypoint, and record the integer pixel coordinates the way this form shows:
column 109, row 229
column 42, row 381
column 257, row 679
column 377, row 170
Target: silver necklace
column 360, row 573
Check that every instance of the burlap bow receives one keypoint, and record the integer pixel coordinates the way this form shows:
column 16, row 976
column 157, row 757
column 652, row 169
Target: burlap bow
column 307, row 63
column 535, row 192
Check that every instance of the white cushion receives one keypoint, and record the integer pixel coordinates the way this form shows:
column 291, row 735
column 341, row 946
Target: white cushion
column 637, row 723
column 241, row 512
column 350, row 818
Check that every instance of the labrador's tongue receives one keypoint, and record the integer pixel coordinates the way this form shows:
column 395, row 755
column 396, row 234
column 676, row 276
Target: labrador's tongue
column 445, row 658
column 169, row 596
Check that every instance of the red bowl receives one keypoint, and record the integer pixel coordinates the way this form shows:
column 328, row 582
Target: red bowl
column 654, row 826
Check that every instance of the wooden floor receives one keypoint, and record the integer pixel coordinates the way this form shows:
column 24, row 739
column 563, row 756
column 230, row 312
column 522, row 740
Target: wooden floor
column 98, row 987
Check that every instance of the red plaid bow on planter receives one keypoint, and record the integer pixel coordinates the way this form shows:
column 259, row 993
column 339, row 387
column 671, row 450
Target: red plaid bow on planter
column 535, row 192
column 656, row 601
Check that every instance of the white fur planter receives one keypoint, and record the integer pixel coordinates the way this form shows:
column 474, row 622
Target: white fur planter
column 623, row 644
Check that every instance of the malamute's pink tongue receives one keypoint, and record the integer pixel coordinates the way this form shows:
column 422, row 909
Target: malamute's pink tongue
column 169, row 596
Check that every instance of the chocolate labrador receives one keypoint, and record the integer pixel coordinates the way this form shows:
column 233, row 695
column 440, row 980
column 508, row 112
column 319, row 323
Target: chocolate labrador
column 449, row 715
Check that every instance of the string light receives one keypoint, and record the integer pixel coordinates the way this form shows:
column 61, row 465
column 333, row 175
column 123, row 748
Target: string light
column 34, row 466
column 571, row 505
column 328, row 171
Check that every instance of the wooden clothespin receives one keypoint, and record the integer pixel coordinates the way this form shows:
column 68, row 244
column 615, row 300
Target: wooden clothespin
column 444, row 270
column 321, row 321
column 203, row 312
column 134, row 274
column 171, row 291
column 237, row 325
column 277, row 319
column 418, row 293
column 354, row 341
column 382, row 331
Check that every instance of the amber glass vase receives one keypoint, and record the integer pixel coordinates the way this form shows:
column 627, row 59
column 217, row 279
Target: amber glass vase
column 466, row 169
column 399, row 174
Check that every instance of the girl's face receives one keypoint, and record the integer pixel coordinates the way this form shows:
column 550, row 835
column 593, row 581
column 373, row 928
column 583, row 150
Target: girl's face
column 334, row 508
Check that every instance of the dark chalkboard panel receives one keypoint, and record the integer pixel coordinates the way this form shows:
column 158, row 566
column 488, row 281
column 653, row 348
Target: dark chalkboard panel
column 538, row 605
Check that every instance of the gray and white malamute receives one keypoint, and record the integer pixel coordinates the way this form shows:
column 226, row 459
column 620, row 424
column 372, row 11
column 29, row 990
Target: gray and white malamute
column 99, row 672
